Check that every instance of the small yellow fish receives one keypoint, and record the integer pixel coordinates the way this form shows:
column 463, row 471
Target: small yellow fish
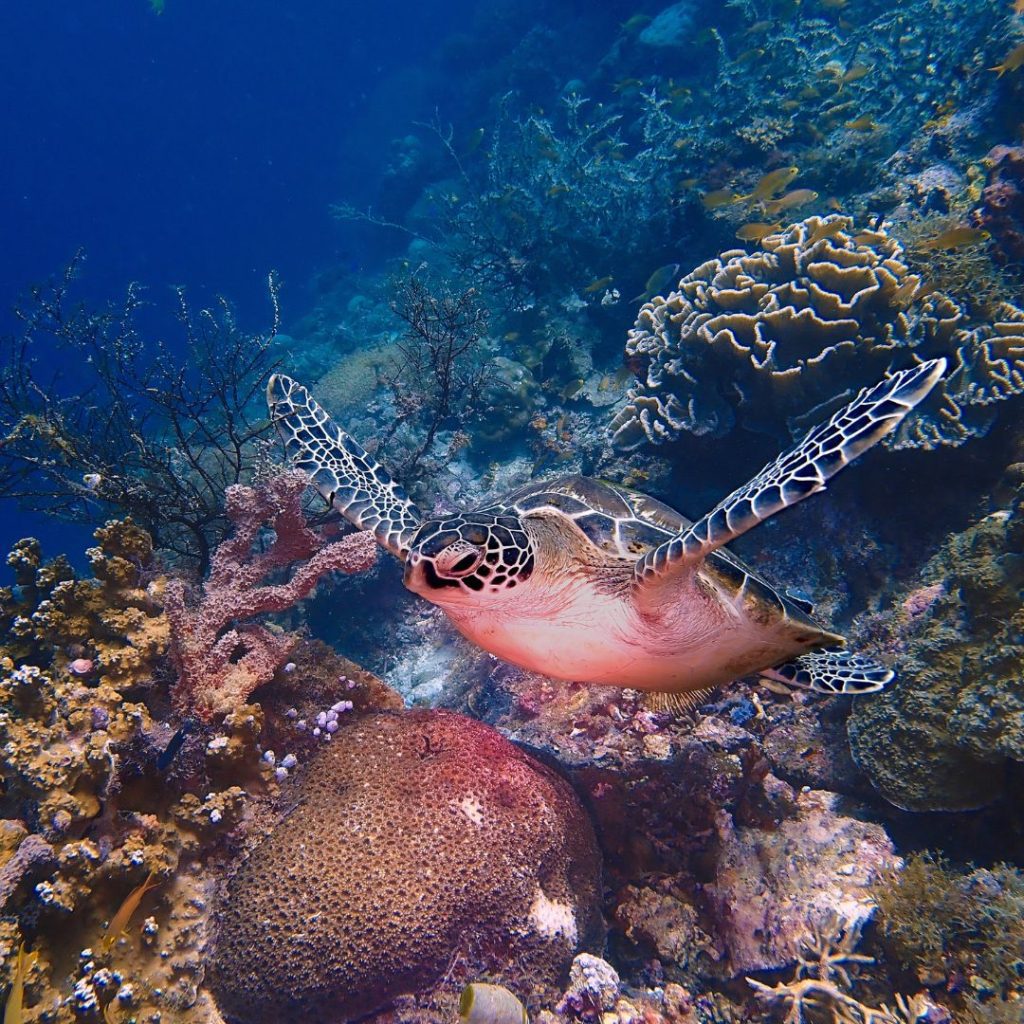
column 719, row 198
column 754, row 53
column 687, row 183
column 955, row 238
column 790, row 105
column 473, row 143
column 14, row 1007
column 637, row 22
column 557, row 190
column 826, row 229
column 906, row 293
column 601, row 282
column 627, row 84
column 120, row 920
column 833, row 204
column 770, row 183
column 791, row 200
column 757, row 231
column 662, row 279
column 1011, row 62
column 511, row 336
column 572, row 389
column 833, row 5
column 864, row 123
column 762, row 26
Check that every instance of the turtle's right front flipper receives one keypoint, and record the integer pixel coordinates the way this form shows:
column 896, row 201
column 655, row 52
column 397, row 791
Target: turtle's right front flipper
column 349, row 479
column 796, row 474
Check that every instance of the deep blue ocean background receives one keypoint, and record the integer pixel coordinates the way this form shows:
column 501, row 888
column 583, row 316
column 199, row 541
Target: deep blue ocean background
column 203, row 146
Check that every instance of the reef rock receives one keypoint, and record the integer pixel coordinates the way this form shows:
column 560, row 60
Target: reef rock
column 1002, row 203
column 423, row 844
column 772, row 887
column 752, row 338
column 943, row 736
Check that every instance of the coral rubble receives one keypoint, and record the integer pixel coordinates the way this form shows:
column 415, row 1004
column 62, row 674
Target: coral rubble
column 422, row 846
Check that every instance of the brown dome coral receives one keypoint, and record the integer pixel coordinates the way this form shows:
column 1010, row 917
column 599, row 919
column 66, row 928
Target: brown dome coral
column 750, row 336
column 420, row 838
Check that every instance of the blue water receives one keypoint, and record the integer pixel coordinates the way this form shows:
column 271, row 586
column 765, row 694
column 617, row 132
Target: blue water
column 201, row 147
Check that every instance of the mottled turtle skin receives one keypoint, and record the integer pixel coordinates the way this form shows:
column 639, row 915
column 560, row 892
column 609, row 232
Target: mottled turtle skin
column 593, row 582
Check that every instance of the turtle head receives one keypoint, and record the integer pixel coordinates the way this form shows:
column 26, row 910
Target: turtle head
column 471, row 555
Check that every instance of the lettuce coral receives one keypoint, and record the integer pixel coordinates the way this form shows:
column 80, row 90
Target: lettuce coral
column 747, row 337
column 421, row 846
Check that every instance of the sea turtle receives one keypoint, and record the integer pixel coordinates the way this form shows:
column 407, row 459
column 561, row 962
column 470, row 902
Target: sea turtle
column 590, row 581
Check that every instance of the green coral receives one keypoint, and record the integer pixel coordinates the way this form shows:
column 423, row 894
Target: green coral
column 955, row 716
column 941, row 922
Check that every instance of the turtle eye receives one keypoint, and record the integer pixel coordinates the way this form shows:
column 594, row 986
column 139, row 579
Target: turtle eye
column 458, row 560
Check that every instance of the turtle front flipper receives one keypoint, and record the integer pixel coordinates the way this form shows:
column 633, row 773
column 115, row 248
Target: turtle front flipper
column 349, row 479
column 833, row 671
column 796, row 474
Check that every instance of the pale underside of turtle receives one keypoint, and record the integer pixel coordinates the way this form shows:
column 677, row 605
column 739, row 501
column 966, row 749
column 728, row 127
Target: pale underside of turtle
column 589, row 581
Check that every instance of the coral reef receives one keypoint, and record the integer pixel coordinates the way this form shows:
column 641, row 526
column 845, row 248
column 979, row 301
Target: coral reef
column 956, row 712
column 422, row 846
column 110, row 627
column 961, row 930
column 1001, row 211
column 749, row 338
column 160, row 439
column 220, row 655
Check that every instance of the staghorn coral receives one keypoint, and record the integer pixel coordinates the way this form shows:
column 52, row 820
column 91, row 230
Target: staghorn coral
column 956, row 713
column 750, row 337
column 222, row 657
column 424, row 845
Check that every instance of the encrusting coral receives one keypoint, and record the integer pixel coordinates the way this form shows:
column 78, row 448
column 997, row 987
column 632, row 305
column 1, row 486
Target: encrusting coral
column 958, row 930
column 748, row 338
column 220, row 655
column 956, row 712
column 423, row 847
column 111, row 626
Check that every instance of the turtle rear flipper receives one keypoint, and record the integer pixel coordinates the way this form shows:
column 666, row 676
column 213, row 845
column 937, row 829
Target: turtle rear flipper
column 349, row 479
column 796, row 474
column 833, row 671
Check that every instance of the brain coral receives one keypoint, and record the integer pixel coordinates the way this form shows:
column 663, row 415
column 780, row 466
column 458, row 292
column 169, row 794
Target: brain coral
column 420, row 840
column 813, row 315
column 944, row 735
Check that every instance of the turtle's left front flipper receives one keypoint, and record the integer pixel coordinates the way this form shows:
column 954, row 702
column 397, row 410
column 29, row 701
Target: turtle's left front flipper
column 833, row 671
column 349, row 479
column 796, row 474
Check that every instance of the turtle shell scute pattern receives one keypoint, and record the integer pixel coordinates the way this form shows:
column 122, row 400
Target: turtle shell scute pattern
column 626, row 524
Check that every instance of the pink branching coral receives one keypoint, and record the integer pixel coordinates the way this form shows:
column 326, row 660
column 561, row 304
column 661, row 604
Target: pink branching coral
column 221, row 654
